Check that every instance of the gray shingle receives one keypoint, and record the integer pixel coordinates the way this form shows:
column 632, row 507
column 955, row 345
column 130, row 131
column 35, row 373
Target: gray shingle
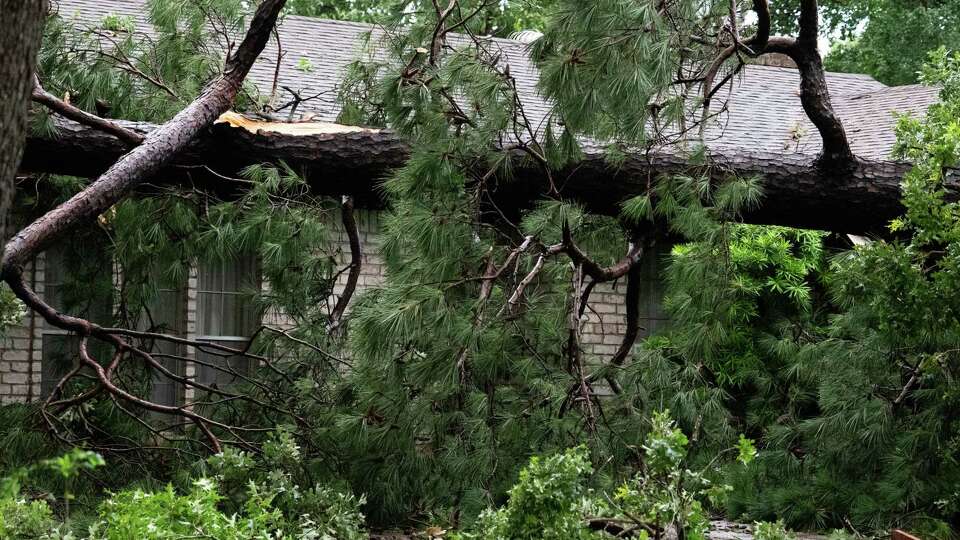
column 763, row 111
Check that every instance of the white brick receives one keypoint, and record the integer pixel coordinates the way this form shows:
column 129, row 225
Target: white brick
column 14, row 378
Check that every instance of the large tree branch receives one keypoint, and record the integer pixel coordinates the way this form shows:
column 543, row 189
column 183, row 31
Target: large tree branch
column 599, row 273
column 814, row 93
column 22, row 24
column 798, row 192
column 159, row 147
column 356, row 261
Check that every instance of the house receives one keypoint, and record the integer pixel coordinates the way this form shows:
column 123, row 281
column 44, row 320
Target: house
column 763, row 124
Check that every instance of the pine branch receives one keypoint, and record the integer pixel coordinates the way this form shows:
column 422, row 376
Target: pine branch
column 57, row 105
column 157, row 149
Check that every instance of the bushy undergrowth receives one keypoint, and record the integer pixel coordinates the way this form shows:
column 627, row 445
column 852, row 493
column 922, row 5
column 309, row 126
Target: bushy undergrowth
column 244, row 498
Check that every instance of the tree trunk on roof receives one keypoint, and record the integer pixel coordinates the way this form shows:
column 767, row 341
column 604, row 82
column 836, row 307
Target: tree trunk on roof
column 798, row 191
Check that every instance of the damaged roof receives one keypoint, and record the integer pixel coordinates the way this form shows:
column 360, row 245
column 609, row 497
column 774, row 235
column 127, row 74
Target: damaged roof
column 763, row 111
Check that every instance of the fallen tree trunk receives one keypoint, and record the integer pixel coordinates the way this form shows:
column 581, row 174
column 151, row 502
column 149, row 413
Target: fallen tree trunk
column 339, row 160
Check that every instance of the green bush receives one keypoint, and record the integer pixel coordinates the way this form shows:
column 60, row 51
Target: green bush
column 764, row 530
column 549, row 502
column 269, row 505
column 27, row 520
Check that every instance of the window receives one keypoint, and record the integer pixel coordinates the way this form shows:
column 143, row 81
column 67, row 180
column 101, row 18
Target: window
column 77, row 283
column 225, row 315
column 652, row 315
column 165, row 314
column 59, row 349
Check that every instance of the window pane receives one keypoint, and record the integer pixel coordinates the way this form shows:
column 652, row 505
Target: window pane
column 59, row 353
column 223, row 307
column 163, row 390
column 210, row 276
column 167, row 316
column 53, row 277
column 238, row 316
column 211, row 376
column 82, row 287
column 652, row 315
column 210, row 313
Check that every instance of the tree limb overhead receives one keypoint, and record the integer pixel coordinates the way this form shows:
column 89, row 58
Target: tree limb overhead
column 342, row 160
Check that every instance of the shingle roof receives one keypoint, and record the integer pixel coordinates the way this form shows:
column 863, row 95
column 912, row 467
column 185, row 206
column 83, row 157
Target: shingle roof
column 763, row 108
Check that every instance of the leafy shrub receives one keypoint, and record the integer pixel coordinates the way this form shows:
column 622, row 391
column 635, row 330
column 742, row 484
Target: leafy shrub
column 765, row 530
column 549, row 502
column 250, row 486
column 27, row 520
column 268, row 505
column 33, row 519
column 165, row 514
column 12, row 309
column 665, row 492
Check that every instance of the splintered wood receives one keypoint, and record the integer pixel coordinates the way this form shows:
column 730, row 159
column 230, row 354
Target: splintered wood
column 254, row 125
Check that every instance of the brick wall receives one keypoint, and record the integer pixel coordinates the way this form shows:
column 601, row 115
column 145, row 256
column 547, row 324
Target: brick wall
column 606, row 317
column 21, row 349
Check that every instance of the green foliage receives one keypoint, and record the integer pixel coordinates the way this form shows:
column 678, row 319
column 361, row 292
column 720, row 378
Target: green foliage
column 889, row 39
column 765, row 530
column 12, row 309
column 604, row 92
column 275, row 484
column 270, row 505
column 549, row 502
column 168, row 514
column 165, row 514
column 70, row 464
column 498, row 18
column 868, row 440
column 446, row 400
column 665, row 492
column 25, row 520
column 840, row 369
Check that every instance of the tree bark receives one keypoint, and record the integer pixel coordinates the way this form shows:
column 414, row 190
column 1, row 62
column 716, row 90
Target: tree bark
column 798, row 190
column 22, row 24
column 159, row 147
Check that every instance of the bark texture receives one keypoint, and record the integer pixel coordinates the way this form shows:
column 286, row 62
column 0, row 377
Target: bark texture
column 21, row 22
column 158, row 148
column 799, row 191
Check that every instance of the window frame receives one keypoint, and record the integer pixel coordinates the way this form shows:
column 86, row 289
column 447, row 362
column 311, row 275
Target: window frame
column 239, row 263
